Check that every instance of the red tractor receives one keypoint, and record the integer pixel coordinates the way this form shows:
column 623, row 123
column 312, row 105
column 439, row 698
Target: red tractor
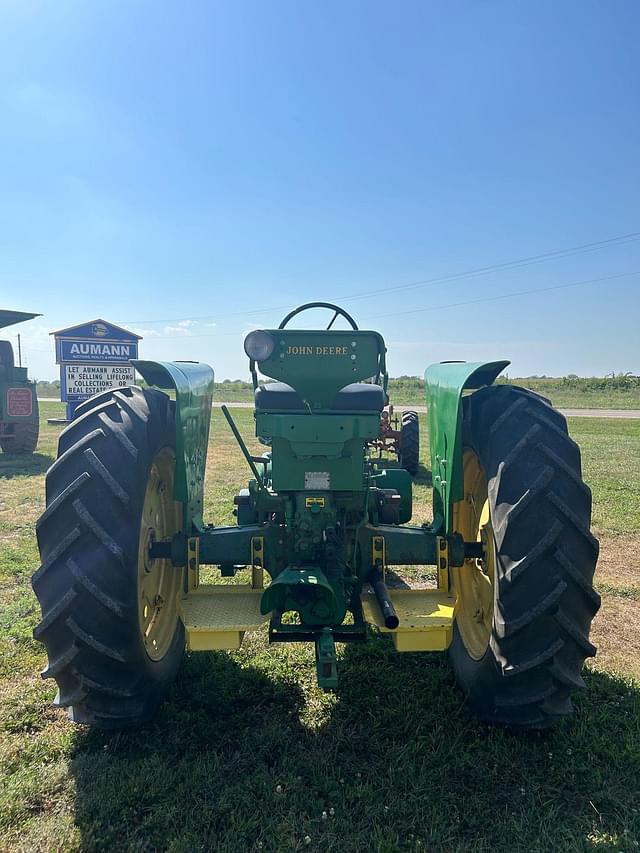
column 19, row 422
column 400, row 435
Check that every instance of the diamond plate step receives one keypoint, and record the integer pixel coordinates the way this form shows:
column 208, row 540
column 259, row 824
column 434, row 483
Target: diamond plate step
column 216, row 616
column 426, row 618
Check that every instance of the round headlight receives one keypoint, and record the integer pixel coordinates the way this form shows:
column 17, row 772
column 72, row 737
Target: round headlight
column 258, row 345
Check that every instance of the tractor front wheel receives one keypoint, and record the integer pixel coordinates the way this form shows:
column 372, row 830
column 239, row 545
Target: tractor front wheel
column 523, row 613
column 110, row 614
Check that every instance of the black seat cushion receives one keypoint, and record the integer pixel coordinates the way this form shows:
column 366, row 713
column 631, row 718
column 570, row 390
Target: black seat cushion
column 278, row 395
column 357, row 397
column 360, row 397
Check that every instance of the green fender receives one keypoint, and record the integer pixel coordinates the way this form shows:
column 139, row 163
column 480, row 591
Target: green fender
column 445, row 385
column 193, row 386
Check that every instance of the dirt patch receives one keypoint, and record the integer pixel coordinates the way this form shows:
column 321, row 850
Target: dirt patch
column 619, row 561
column 616, row 634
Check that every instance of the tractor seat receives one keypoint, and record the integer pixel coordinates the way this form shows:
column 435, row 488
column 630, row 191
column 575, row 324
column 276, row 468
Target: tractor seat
column 357, row 397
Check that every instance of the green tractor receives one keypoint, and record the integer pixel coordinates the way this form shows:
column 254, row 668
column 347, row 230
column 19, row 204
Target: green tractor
column 19, row 422
column 321, row 527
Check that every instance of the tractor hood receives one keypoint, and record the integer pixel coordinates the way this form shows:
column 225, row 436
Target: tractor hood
column 8, row 318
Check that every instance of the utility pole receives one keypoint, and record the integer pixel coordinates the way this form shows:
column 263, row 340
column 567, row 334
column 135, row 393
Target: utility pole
column 19, row 352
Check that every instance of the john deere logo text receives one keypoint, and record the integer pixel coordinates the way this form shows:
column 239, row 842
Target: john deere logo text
column 317, row 350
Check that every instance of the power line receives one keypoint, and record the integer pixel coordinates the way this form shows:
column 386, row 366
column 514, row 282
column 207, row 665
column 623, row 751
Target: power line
column 508, row 265
column 433, row 307
column 503, row 296
column 504, row 266
column 26, row 346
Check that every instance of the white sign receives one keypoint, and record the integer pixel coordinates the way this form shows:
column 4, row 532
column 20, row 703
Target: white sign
column 83, row 380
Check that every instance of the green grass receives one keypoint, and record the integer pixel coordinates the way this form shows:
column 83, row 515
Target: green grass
column 609, row 392
column 611, row 466
column 621, row 591
column 566, row 392
column 247, row 754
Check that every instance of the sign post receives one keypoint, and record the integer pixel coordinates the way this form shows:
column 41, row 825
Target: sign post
column 93, row 357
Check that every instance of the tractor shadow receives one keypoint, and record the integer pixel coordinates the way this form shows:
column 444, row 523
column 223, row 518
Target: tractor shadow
column 28, row 464
column 214, row 749
column 246, row 757
column 423, row 476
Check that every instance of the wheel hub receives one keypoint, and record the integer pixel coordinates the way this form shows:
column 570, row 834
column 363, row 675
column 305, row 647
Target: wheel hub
column 474, row 581
column 159, row 583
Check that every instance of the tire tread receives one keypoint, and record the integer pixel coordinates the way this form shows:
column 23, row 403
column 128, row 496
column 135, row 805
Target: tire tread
column 88, row 539
column 546, row 557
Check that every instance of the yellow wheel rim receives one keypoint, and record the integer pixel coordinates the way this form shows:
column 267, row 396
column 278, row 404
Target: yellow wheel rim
column 159, row 582
column 474, row 582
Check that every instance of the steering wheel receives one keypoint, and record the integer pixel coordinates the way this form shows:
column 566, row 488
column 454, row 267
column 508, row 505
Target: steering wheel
column 339, row 312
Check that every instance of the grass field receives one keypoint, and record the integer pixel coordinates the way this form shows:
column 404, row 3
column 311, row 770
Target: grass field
column 609, row 392
column 247, row 754
column 563, row 394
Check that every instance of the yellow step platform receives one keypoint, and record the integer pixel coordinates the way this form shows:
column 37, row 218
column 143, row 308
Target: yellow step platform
column 426, row 618
column 216, row 616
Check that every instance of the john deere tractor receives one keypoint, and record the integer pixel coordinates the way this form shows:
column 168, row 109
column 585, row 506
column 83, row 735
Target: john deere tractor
column 321, row 527
column 19, row 424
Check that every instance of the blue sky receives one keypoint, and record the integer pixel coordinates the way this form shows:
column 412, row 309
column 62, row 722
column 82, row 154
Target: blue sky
column 189, row 163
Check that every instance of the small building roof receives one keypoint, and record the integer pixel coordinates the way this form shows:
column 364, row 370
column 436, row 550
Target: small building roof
column 85, row 330
column 8, row 318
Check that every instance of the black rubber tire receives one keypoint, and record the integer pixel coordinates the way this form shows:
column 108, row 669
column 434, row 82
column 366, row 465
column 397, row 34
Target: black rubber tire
column 409, row 453
column 25, row 436
column 88, row 539
column 544, row 599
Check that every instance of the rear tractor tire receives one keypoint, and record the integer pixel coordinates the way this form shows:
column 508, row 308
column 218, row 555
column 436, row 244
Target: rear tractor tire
column 523, row 614
column 409, row 453
column 109, row 614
